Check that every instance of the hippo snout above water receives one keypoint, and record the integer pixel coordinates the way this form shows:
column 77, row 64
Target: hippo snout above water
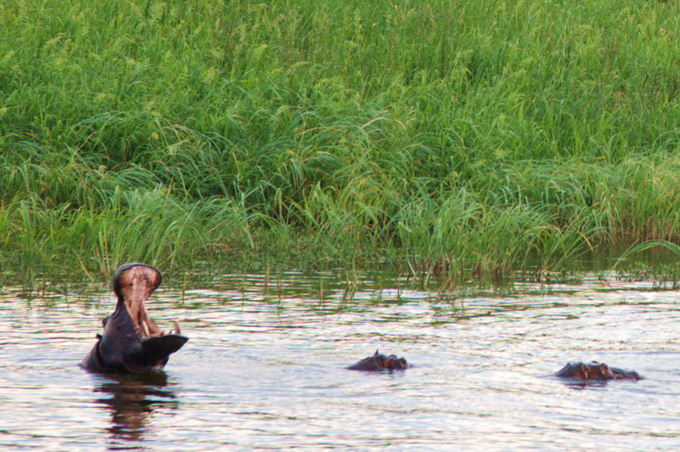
column 132, row 342
column 379, row 362
column 596, row 372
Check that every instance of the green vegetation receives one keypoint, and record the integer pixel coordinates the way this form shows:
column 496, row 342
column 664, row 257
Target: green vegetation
column 450, row 137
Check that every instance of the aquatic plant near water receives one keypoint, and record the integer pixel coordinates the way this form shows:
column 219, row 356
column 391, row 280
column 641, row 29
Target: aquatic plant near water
column 467, row 138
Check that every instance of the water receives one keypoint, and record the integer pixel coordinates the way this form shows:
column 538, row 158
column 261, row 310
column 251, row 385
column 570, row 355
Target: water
column 265, row 368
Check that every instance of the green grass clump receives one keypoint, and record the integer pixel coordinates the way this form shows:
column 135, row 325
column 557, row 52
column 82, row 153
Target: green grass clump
column 451, row 137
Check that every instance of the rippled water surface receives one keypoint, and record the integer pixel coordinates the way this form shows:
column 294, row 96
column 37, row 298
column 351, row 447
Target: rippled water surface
column 265, row 368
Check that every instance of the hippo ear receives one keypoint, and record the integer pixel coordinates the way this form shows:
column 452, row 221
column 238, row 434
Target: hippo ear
column 156, row 350
column 377, row 352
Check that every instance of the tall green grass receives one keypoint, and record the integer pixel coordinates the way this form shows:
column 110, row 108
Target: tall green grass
column 449, row 136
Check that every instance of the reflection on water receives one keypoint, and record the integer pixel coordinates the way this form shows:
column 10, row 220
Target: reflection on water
column 132, row 400
column 584, row 384
column 265, row 367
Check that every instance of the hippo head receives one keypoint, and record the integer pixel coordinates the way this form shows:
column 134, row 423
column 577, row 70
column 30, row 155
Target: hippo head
column 132, row 342
column 596, row 372
column 379, row 362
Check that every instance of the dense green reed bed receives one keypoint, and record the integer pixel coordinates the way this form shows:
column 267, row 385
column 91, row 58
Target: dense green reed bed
column 443, row 136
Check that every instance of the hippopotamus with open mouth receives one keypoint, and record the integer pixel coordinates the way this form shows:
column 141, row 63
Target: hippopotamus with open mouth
column 596, row 372
column 379, row 362
column 132, row 342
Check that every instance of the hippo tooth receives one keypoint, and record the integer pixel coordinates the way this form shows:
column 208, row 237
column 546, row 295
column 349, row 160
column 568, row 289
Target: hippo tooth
column 145, row 327
column 177, row 331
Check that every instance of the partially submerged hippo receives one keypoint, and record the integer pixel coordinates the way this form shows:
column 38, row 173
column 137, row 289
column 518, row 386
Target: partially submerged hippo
column 132, row 342
column 379, row 362
column 596, row 372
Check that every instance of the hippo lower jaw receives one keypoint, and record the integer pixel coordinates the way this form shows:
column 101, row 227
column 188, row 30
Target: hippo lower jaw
column 132, row 342
column 144, row 355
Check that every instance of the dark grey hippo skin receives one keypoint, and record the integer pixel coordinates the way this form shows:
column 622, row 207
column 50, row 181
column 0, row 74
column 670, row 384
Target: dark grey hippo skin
column 378, row 362
column 596, row 372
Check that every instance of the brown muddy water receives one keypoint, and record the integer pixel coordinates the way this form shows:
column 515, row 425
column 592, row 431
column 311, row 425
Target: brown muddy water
column 265, row 368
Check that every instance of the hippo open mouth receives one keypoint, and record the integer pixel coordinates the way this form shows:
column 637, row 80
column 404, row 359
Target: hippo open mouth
column 132, row 342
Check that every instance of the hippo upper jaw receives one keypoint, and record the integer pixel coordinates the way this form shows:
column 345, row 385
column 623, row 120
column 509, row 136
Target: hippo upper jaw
column 132, row 342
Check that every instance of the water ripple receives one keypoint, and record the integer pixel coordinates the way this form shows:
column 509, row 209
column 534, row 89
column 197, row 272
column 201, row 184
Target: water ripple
column 265, row 368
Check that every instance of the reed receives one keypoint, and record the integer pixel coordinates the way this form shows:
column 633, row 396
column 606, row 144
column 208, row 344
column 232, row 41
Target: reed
column 454, row 138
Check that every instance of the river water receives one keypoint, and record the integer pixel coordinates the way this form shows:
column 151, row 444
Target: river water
column 265, row 367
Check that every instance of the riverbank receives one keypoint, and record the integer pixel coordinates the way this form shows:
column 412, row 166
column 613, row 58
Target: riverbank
column 470, row 136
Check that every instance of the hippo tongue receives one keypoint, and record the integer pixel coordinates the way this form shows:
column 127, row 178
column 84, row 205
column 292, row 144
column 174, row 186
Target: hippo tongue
column 156, row 350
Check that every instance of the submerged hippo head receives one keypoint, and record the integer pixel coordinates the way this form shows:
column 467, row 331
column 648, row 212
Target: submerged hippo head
column 596, row 372
column 132, row 342
column 379, row 362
